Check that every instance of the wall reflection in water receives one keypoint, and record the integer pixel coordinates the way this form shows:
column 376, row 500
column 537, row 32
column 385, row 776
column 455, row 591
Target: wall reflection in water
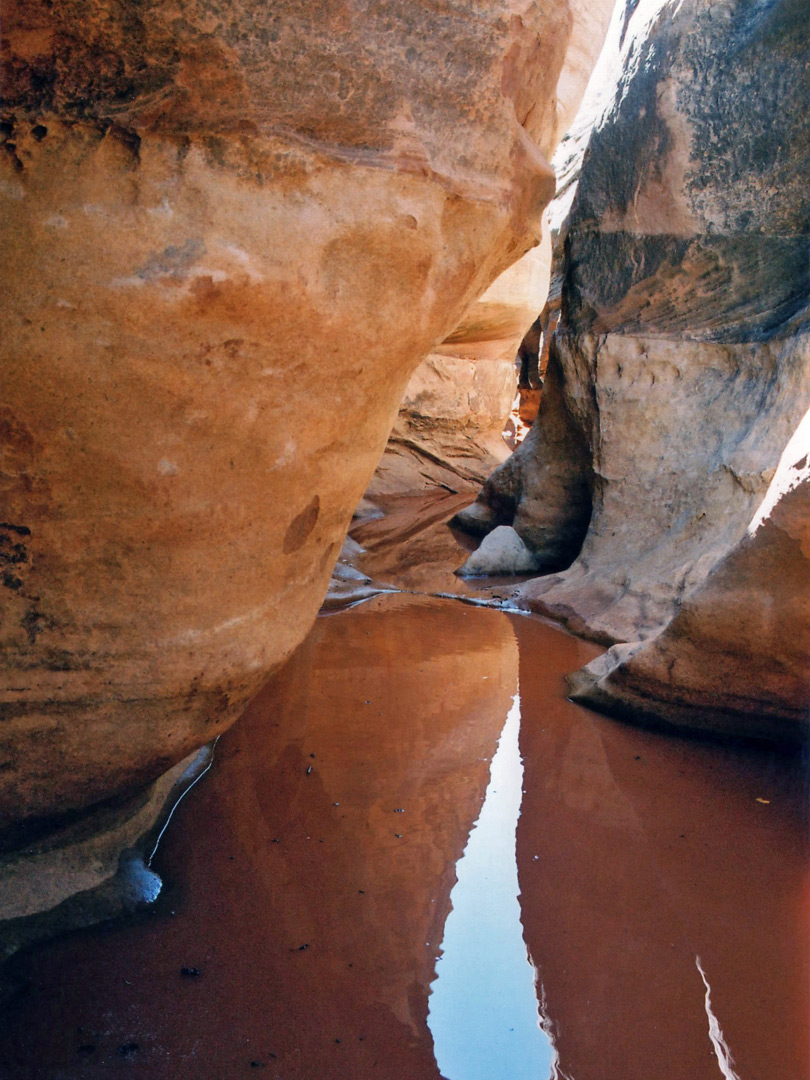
column 639, row 852
column 308, row 881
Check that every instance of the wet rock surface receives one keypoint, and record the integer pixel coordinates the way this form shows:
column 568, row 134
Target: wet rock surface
column 410, row 548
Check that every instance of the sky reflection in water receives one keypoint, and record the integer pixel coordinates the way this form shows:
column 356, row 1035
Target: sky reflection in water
column 483, row 1007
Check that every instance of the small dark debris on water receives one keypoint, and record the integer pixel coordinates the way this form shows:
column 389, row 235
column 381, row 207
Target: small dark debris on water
column 337, row 1040
column 255, row 1064
column 638, row 757
column 127, row 1049
column 276, row 840
column 190, row 972
column 362, row 892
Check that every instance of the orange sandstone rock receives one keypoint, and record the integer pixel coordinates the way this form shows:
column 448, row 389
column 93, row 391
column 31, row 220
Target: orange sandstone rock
column 449, row 431
column 221, row 219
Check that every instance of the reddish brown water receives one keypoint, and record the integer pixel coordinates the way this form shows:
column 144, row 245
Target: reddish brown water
column 313, row 909
column 411, row 548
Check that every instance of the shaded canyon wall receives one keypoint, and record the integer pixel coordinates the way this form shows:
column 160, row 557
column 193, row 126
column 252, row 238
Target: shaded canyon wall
column 681, row 367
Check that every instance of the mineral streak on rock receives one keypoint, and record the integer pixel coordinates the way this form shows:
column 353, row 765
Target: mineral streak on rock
column 220, row 218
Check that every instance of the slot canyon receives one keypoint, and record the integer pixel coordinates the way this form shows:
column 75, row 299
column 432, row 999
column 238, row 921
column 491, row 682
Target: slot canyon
column 405, row 540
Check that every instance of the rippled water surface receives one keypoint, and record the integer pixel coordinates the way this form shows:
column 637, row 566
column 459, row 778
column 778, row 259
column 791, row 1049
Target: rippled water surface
column 365, row 884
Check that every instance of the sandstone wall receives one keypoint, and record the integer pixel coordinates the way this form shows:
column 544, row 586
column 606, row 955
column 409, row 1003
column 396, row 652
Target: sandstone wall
column 682, row 363
column 232, row 231
column 736, row 657
column 448, row 433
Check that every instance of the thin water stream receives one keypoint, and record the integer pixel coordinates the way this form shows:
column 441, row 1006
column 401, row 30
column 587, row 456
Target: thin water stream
column 350, row 893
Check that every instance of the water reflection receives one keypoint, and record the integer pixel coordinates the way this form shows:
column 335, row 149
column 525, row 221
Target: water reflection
column 483, row 1010
column 638, row 852
column 309, row 875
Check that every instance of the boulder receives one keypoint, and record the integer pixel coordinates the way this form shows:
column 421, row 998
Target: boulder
column 501, row 552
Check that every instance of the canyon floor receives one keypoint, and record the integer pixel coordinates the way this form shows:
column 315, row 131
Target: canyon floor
column 413, row 857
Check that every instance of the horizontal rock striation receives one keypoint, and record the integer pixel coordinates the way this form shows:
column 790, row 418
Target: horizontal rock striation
column 232, row 232
column 681, row 366
column 449, row 430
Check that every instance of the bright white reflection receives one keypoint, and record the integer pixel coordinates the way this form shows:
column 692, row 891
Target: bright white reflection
column 483, row 1009
column 793, row 468
column 721, row 1050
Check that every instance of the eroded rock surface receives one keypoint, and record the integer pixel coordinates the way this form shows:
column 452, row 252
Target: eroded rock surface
column 232, row 232
column 686, row 437
column 449, row 431
column 682, row 362
column 736, row 657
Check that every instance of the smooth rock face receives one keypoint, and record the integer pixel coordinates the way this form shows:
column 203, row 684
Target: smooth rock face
column 686, row 438
column 683, row 361
column 736, row 657
column 232, row 232
column 449, row 431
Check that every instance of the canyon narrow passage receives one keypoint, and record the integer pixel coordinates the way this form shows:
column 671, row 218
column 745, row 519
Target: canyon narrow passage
column 309, row 881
